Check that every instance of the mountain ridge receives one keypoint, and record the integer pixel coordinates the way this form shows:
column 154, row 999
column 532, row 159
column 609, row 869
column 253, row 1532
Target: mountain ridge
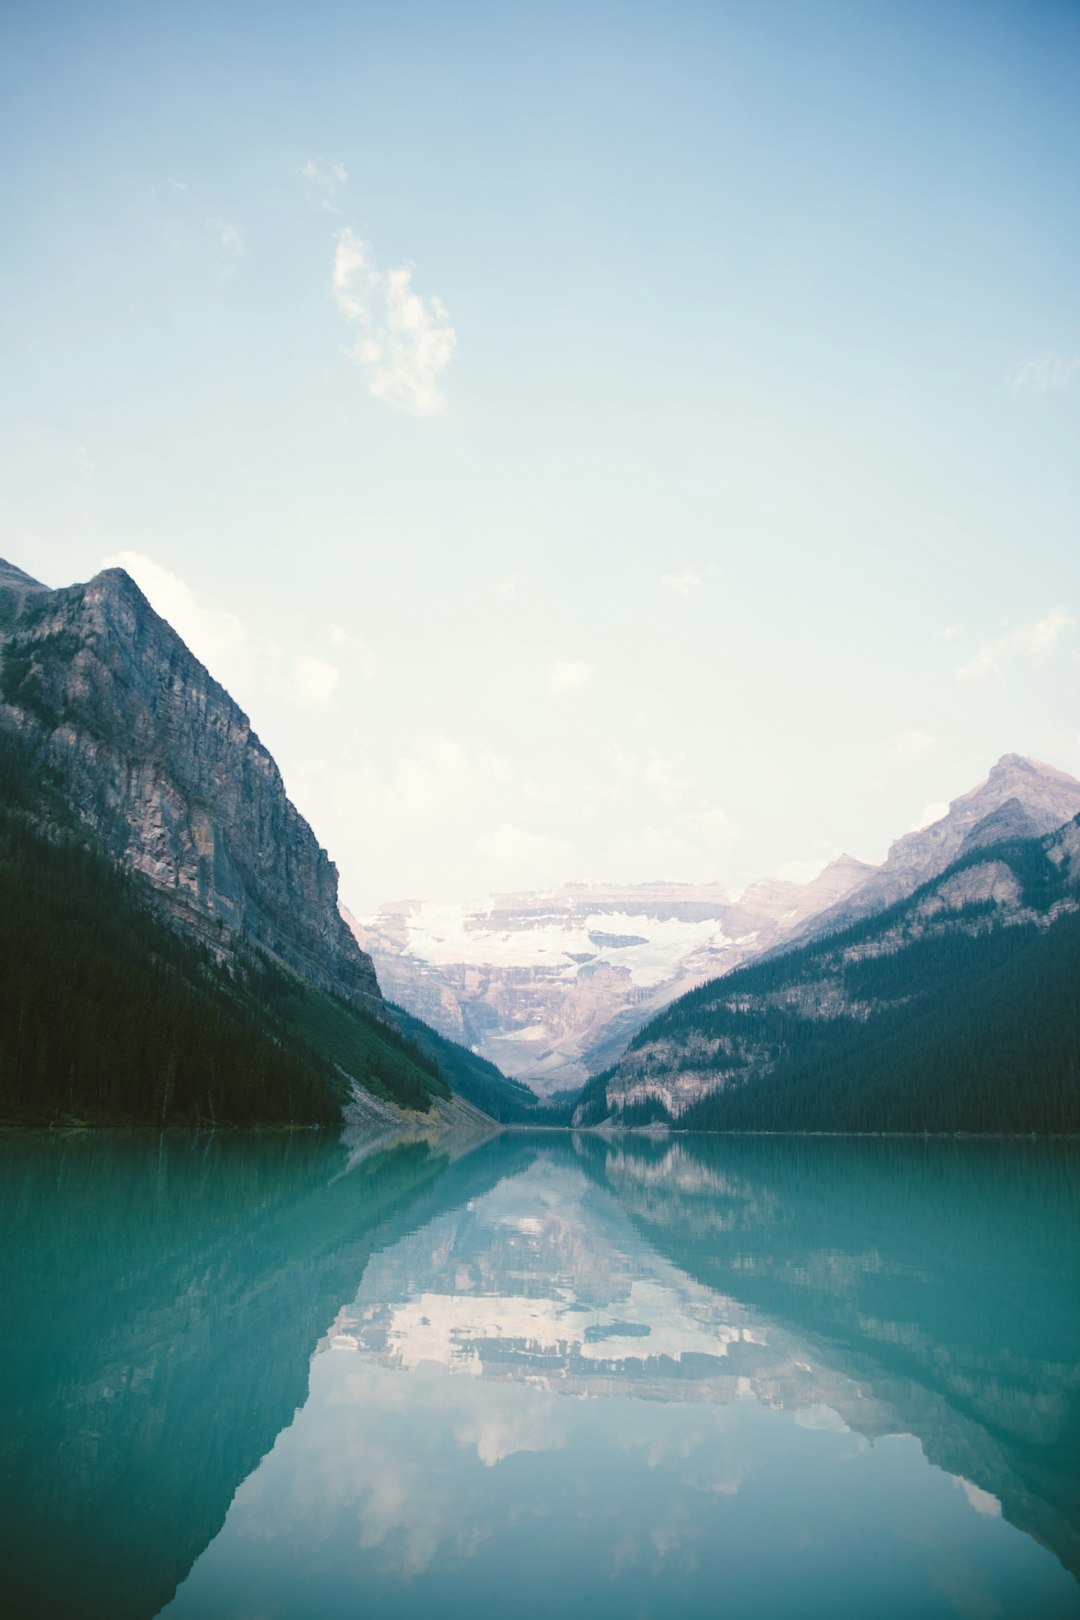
column 551, row 984
column 952, row 1009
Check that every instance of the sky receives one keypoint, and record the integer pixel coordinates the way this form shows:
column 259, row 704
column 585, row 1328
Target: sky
column 592, row 442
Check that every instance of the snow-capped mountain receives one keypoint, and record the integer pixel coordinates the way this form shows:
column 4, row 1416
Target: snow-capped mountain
column 550, row 986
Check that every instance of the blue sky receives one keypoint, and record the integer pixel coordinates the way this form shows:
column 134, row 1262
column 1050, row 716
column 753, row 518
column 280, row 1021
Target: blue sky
column 613, row 442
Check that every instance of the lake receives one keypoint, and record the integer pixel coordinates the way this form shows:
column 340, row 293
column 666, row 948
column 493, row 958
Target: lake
column 263, row 1376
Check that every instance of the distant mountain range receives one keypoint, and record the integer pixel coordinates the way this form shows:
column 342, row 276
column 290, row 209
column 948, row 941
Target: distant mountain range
column 551, row 986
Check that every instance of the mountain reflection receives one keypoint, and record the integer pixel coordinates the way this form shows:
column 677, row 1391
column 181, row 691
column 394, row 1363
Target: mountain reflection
column 602, row 1374
column 162, row 1300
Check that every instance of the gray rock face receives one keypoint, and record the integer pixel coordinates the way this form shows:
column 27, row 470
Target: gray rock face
column 160, row 762
column 1021, row 798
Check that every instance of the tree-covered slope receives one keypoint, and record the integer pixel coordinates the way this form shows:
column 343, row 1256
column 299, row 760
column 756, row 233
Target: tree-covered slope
column 511, row 1102
column 108, row 1014
column 956, row 1009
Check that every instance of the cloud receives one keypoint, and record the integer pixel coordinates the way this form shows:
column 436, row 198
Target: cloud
column 1034, row 642
column 982, row 1501
column 84, row 460
column 569, row 675
column 323, row 182
column 228, row 236
column 911, row 746
column 314, row 681
column 1044, row 372
column 403, row 340
column 178, row 185
column 931, row 813
column 681, row 584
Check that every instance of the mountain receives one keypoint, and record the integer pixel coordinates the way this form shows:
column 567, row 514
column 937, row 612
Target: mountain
column 166, row 771
column 550, row 986
column 1020, row 798
column 953, row 1009
column 174, row 949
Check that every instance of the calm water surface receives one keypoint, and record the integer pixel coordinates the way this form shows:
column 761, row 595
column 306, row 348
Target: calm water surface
column 289, row 1377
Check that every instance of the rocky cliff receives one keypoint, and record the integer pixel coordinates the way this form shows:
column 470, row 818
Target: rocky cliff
column 160, row 763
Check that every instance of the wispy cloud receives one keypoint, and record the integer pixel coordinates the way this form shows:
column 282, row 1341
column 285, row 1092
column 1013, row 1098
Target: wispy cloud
column 681, row 584
column 323, row 182
column 403, row 340
column 569, row 675
column 1044, row 372
column 1032, row 642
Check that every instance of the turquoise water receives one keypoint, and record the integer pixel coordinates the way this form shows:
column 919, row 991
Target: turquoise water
column 287, row 1377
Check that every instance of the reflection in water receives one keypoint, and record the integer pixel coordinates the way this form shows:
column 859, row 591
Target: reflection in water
column 550, row 1374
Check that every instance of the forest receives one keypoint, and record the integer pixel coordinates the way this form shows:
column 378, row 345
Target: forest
column 109, row 1015
column 973, row 1025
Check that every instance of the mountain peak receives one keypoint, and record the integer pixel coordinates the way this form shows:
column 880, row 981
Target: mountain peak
column 1011, row 764
column 17, row 579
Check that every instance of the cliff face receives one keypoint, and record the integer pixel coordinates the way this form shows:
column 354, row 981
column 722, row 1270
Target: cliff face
column 156, row 758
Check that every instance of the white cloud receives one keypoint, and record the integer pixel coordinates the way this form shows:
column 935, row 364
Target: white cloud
column 84, row 460
column 982, row 1501
column 323, row 182
column 949, row 632
column 569, row 675
column 403, row 340
column 681, row 584
column 911, row 746
column 931, row 813
column 1045, row 372
column 228, row 236
column 314, row 680
column 178, row 185
column 1034, row 642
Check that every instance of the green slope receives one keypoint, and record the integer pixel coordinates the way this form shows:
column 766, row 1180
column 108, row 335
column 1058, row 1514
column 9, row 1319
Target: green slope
column 511, row 1102
column 973, row 1029
column 106, row 1014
